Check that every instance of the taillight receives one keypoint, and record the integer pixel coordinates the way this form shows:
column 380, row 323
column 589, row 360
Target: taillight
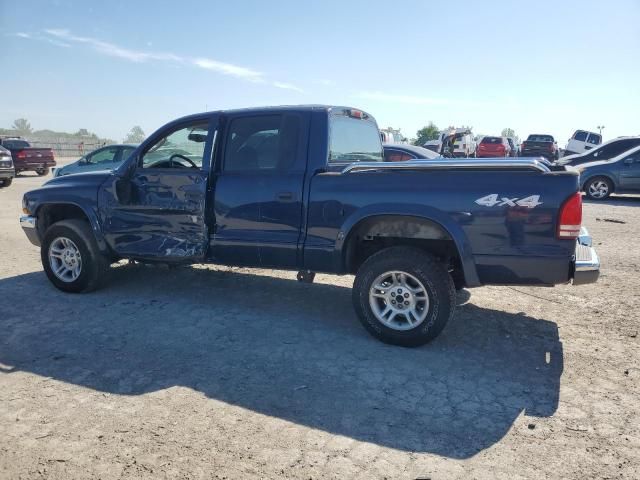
column 21, row 155
column 570, row 217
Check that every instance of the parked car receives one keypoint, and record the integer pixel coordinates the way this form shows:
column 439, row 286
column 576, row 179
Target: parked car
column 493, row 147
column 540, row 145
column 306, row 188
column 26, row 158
column 582, row 141
column 105, row 158
column 513, row 152
column 402, row 153
column 606, row 151
column 620, row 174
column 7, row 172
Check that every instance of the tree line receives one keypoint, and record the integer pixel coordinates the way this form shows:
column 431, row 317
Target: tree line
column 22, row 127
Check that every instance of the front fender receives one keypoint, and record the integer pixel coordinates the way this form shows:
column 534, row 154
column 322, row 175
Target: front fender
column 445, row 221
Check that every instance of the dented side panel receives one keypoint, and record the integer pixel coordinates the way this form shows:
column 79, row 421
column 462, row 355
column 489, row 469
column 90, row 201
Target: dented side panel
column 164, row 218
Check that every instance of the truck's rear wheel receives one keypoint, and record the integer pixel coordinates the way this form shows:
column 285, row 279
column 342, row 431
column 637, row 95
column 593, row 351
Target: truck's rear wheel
column 404, row 296
column 42, row 172
column 6, row 182
column 71, row 258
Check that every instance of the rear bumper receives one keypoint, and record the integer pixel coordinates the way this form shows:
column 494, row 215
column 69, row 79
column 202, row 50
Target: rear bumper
column 33, row 165
column 29, row 227
column 587, row 262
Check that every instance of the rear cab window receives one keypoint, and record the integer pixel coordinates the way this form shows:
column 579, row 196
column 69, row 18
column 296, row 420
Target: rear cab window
column 540, row 138
column 353, row 137
column 580, row 136
column 15, row 144
column 492, row 140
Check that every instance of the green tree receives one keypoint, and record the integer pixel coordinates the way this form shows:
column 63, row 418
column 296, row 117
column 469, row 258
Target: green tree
column 22, row 125
column 83, row 132
column 430, row 132
column 510, row 132
column 135, row 135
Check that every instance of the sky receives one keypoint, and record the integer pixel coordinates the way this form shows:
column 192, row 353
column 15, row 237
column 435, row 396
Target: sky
column 536, row 67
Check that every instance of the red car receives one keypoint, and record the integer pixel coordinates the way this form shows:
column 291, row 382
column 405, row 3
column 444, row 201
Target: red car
column 493, row 147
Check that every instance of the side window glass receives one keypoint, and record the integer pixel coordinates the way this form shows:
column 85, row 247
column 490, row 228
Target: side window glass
column 105, row 155
column 182, row 148
column 580, row 136
column 126, row 153
column 594, row 139
column 261, row 143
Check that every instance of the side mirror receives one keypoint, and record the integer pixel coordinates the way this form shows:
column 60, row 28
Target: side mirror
column 83, row 161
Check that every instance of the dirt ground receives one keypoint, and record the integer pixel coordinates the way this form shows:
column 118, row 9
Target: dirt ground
column 214, row 372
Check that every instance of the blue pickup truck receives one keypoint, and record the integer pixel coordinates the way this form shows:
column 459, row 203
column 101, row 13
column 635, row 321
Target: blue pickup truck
column 305, row 188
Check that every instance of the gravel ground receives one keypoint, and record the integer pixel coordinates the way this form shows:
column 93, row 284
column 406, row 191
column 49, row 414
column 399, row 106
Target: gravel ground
column 215, row 372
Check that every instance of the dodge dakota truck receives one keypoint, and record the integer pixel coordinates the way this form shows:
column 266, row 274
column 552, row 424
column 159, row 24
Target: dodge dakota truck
column 305, row 188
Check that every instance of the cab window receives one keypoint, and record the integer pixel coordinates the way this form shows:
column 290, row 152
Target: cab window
column 182, row 148
column 580, row 136
column 264, row 143
column 353, row 140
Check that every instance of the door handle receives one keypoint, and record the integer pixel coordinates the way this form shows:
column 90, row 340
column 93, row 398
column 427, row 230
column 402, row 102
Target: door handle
column 285, row 196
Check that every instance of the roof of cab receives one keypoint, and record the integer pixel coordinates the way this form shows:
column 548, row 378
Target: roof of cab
column 275, row 108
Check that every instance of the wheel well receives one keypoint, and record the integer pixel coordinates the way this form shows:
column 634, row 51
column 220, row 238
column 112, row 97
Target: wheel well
column 374, row 234
column 606, row 177
column 52, row 213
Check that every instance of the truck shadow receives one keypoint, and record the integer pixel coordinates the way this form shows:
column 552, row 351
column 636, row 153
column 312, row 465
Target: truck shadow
column 287, row 350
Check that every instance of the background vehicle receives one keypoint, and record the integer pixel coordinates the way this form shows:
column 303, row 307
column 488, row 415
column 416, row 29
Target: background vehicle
column 513, row 152
column 108, row 158
column 582, row 141
column 493, row 147
column 25, row 158
column 306, row 188
column 539, row 145
column 391, row 135
column 606, row 151
column 464, row 143
column 402, row 153
column 7, row 172
column 620, row 174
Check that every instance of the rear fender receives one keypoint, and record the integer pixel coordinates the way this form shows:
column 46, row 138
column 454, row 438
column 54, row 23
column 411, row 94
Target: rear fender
column 445, row 222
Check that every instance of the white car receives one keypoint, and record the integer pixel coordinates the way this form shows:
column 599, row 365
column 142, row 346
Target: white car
column 581, row 141
column 606, row 151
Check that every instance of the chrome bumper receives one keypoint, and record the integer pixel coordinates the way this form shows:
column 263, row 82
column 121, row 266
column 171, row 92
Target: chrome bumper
column 29, row 224
column 587, row 262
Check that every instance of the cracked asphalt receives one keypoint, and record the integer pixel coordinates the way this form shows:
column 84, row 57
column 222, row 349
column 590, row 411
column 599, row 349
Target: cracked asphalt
column 217, row 372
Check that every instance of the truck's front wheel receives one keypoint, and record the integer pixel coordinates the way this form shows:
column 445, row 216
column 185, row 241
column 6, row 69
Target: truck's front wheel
column 71, row 258
column 404, row 296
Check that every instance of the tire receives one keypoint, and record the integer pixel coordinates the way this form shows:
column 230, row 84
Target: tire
column 93, row 265
column 42, row 172
column 421, row 270
column 6, row 182
column 598, row 188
